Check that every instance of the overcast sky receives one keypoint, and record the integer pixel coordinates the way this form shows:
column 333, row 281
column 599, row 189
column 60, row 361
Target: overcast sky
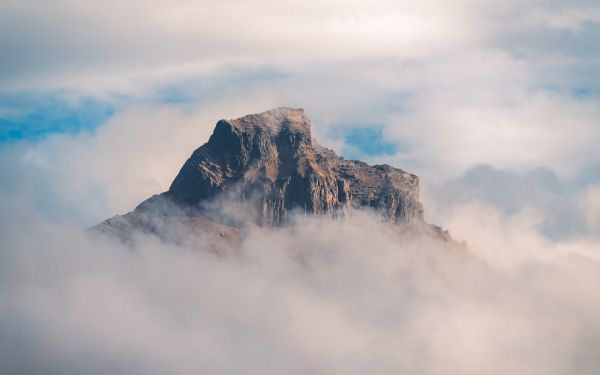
column 434, row 87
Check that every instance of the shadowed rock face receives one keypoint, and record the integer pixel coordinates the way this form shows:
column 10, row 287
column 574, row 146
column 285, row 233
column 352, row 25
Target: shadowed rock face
column 271, row 166
column 274, row 162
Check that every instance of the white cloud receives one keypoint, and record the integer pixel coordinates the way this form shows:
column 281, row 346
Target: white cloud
column 525, row 131
column 323, row 296
column 115, row 44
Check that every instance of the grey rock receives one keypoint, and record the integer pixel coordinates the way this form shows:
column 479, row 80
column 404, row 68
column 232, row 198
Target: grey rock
column 268, row 166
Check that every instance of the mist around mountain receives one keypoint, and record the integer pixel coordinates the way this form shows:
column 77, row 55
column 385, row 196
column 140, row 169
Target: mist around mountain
column 266, row 169
column 354, row 293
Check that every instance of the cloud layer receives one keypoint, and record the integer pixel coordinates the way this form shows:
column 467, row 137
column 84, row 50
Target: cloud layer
column 324, row 296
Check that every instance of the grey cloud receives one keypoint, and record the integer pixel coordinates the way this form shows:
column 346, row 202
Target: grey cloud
column 544, row 40
column 113, row 44
column 560, row 204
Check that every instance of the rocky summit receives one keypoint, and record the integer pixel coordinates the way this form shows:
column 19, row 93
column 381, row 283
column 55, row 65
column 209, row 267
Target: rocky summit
column 268, row 167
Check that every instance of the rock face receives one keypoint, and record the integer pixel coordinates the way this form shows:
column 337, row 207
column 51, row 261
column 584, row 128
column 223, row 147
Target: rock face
column 270, row 163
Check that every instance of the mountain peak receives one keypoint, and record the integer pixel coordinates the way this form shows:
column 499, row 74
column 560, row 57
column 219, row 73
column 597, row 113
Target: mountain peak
column 266, row 166
column 269, row 159
column 274, row 120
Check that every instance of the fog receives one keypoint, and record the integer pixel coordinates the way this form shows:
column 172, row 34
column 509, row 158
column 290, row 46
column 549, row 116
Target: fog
column 324, row 295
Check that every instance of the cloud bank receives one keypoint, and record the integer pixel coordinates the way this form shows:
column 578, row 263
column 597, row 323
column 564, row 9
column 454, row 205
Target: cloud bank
column 324, row 296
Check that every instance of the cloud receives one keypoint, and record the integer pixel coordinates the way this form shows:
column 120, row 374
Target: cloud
column 564, row 210
column 113, row 45
column 136, row 39
column 591, row 207
column 323, row 296
column 529, row 131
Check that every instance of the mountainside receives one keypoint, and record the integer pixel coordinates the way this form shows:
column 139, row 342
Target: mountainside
column 264, row 167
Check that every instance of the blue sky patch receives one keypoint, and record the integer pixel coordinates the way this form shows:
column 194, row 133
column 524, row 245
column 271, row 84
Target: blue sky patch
column 367, row 140
column 33, row 116
column 583, row 92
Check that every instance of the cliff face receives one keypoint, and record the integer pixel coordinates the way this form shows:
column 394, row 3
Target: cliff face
column 273, row 161
column 270, row 164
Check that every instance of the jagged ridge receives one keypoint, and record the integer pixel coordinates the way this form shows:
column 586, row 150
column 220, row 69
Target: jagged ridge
column 270, row 162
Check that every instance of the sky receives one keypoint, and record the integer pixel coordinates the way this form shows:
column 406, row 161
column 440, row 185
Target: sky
column 494, row 105
column 437, row 88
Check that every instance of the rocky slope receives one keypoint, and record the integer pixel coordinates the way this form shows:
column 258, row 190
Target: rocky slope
column 265, row 167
